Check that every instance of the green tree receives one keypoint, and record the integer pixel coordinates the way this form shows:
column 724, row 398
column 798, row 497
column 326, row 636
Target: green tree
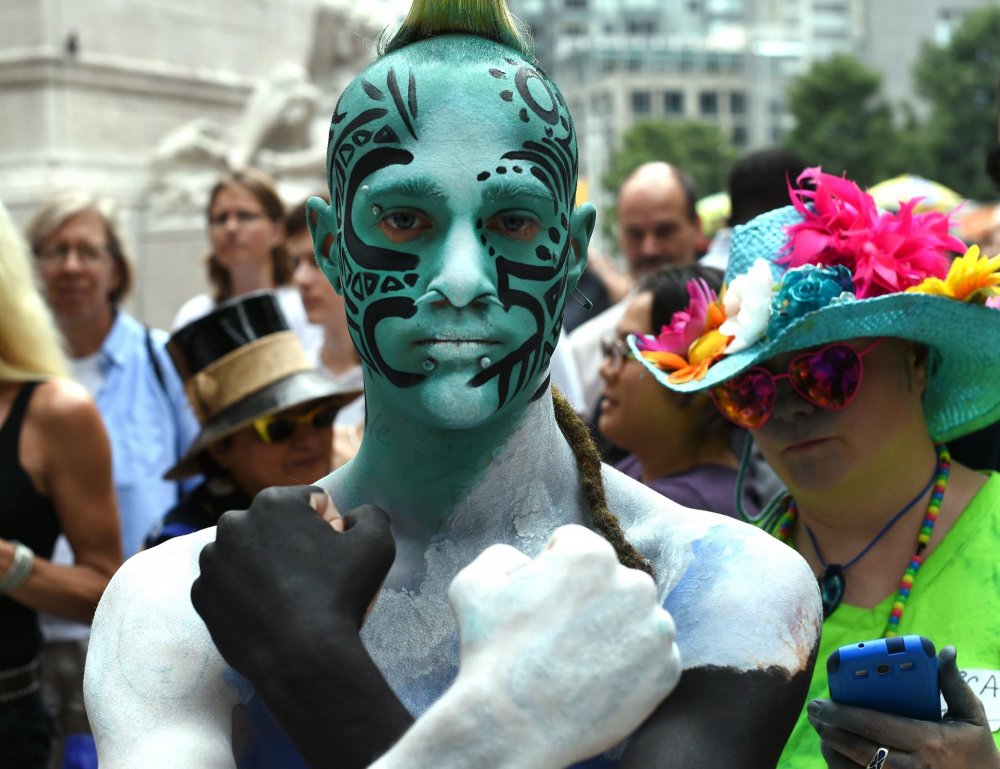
column 699, row 148
column 959, row 83
column 842, row 121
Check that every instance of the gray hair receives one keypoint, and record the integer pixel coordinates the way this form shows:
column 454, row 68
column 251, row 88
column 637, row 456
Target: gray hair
column 60, row 209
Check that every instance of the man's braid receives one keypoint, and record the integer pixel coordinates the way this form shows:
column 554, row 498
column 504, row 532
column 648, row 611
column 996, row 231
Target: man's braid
column 588, row 462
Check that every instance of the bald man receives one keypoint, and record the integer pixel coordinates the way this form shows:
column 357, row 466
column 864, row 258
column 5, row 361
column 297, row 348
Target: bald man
column 657, row 225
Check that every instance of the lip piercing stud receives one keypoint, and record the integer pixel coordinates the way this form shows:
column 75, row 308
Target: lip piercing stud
column 430, row 364
column 484, row 362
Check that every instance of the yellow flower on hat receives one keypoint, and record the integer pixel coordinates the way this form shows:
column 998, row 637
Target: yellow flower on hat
column 705, row 350
column 971, row 277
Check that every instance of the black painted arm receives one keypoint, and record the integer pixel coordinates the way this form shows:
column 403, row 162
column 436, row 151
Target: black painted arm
column 721, row 717
column 283, row 596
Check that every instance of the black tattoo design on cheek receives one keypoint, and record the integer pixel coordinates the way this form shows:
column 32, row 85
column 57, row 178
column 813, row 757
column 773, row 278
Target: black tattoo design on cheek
column 551, row 160
column 371, row 274
column 375, row 279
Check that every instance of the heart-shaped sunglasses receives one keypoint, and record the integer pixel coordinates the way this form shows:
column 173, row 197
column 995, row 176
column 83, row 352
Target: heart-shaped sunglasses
column 828, row 377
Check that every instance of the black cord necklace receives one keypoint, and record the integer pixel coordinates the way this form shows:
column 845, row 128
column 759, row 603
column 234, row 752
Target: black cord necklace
column 832, row 581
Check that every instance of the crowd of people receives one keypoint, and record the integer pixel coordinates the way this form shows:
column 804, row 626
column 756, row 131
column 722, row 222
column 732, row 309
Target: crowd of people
column 420, row 402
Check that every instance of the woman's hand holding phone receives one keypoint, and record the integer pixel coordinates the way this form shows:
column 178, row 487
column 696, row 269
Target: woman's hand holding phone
column 851, row 736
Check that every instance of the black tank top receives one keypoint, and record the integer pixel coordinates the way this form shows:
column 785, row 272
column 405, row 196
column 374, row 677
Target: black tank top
column 29, row 517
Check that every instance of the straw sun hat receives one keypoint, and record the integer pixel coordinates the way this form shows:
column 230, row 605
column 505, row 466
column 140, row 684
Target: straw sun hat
column 832, row 267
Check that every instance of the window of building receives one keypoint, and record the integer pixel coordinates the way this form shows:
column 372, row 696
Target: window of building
column 738, row 103
column 640, row 26
column 641, row 102
column 673, row 102
column 577, row 4
column 708, row 103
column 739, row 136
column 600, row 103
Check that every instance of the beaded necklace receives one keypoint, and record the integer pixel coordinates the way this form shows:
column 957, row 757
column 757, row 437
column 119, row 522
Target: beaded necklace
column 783, row 531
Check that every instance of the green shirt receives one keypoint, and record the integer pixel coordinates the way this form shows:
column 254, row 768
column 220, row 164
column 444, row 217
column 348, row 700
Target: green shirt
column 955, row 602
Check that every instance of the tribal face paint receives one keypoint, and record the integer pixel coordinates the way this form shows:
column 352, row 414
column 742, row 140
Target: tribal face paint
column 452, row 168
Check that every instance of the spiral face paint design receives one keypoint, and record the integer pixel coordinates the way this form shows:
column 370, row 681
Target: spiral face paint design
column 482, row 155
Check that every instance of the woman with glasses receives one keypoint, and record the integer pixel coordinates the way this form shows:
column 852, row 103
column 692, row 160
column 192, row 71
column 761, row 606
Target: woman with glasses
column 679, row 445
column 853, row 348
column 246, row 230
column 55, row 473
column 266, row 414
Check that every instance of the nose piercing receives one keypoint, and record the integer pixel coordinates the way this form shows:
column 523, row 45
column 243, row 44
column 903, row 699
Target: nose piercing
column 430, row 364
column 484, row 362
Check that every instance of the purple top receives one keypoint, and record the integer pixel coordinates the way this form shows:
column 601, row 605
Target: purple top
column 704, row 487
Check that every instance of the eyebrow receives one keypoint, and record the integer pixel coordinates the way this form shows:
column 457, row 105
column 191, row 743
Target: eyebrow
column 418, row 188
column 511, row 190
column 422, row 188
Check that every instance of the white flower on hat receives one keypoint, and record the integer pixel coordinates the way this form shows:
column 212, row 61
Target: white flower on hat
column 747, row 302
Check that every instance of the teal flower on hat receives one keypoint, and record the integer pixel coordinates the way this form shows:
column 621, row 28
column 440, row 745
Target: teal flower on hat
column 806, row 289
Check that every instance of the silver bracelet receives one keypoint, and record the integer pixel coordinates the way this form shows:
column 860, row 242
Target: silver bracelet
column 20, row 568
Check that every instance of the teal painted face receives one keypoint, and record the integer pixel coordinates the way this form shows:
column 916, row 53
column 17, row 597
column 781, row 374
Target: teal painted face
column 454, row 238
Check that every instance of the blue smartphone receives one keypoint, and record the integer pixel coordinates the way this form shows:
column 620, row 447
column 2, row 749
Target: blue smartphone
column 893, row 675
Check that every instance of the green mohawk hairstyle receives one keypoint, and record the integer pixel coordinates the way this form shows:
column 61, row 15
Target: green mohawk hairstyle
column 490, row 19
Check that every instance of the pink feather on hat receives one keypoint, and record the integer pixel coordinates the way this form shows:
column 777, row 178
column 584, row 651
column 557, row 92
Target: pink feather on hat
column 886, row 252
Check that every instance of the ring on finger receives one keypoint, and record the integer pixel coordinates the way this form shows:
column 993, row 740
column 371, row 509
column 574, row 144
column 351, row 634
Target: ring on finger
column 878, row 760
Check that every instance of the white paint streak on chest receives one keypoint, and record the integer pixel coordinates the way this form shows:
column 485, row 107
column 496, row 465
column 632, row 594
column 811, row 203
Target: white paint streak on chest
column 411, row 632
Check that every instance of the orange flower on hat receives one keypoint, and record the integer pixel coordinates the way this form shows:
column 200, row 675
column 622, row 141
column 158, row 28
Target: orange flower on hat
column 692, row 342
column 707, row 349
column 971, row 277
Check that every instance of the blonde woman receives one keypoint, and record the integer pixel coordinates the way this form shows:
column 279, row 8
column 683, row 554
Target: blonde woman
column 55, row 470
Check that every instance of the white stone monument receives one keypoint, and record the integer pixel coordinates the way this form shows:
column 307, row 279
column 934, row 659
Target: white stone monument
column 147, row 101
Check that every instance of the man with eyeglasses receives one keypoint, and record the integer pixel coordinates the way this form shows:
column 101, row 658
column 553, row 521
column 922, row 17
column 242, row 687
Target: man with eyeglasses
column 657, row 225
column 85, row 275
column 266, row 414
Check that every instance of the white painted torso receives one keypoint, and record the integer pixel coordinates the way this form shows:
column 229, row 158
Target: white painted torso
column 713, row 574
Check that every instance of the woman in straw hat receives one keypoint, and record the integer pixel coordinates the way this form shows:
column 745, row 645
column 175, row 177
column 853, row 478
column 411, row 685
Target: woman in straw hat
column 266, row 414
column 852, row 348
column 55, row 473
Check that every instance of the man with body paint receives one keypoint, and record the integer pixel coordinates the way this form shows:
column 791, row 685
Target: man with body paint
column 454, row 240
